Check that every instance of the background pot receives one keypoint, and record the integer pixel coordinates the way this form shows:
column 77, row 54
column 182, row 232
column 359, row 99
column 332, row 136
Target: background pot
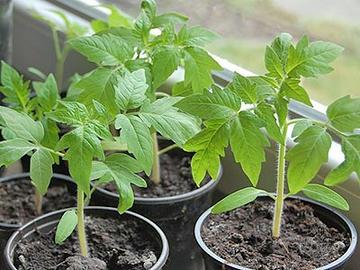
column 328, row 215
column 49, row 221
column 176, row 215
column 7, row 229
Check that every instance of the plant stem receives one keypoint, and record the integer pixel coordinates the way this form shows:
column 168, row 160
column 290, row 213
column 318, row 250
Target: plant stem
column 155, row 173
column 38, row 202
column 279, row 201
column 81, row 223
column 167, row 149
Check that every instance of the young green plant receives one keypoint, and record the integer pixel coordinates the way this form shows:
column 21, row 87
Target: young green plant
column 18, row 95
column 240, row 113
column 69, row 29
column 81, row 148
column 152, row 43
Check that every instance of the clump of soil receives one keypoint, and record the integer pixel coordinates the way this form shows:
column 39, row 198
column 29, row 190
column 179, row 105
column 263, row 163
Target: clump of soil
column 120, row 244
column 243, row 237
column 17, row 204
column 176, row 178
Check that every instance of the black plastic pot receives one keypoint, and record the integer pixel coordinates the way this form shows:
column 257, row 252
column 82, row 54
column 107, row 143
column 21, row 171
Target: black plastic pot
column 328, row 215
column 176, row 216
column 7, row 229
column 49, row 221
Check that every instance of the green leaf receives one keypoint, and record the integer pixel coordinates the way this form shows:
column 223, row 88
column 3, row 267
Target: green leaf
column 198, row 67
column 209, row 145
column 47, row 92
column 307, row 156
column 169, row 18
column 266, row 113
column 122, row 169
column 41, row 169
column 216, row 104
column 300, row 127
column 344, row 113
column 247, row 144
column 99, row 25
column 281, row 45
column 273, row 63
column 105, row 49
column 118, row 18
column 281, row 106
column 292, row 89
column 168, row 120
column 325, row 195
column 195, row 36
column 181, row 90
column 21, row 125
column 82, row 145
column 37, row 72
column 138, row 138
column 71, row 113
column 244, row 88
column 12, row 150
column 99, row 85
column 314, row 59
column 351, row 150
column 66, row 226
column 130, row 90
column 165, row 61
column 237, row 199
column 51, row 134
column 16, row 91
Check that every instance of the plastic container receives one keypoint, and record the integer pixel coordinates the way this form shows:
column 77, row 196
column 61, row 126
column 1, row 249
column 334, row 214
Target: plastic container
column 328, row 215
column 7, row 229
column 176, row 216
column 49, row 221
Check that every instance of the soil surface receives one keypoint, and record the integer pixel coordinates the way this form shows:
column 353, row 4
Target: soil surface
column 113, row 245
column 17, row 201
column 175, row 175
column 243, row 237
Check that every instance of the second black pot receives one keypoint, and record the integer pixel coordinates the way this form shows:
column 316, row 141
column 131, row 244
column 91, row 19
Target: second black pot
column 326, row 214
column 176, row 216
column 6, row 230
column 49, row 221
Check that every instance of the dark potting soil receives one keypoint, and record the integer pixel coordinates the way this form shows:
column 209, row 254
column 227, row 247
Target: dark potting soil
column 243, row 237
column 120, row 244
column 17, row 201
column 176, row 179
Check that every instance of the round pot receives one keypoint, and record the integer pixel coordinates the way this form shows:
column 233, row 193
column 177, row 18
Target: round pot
column 176, row 216
column 7, row 229
column 49, row 221
column 328, row 215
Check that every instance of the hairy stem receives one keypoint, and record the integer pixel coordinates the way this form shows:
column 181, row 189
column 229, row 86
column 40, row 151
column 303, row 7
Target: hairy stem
column 279, row 201
column 38, row 202
column 81, row 223
column 155, row 173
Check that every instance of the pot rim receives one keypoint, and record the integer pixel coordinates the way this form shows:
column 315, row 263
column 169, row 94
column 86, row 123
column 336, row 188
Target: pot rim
column 338, row 262
column 171, row 199
column 159, row 263
column 17, row 176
